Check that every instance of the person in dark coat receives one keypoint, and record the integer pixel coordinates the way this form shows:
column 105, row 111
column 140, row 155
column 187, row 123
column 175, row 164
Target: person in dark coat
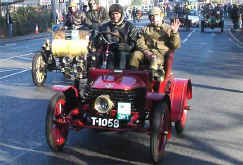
column 235, row 16
column 125, row 44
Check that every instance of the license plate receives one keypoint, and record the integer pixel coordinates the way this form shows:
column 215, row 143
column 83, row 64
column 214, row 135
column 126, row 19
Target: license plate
column 110, row 123
column 124, row 108
column 124, row 111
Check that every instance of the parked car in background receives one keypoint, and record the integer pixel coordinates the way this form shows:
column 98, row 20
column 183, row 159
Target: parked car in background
column 194, row 17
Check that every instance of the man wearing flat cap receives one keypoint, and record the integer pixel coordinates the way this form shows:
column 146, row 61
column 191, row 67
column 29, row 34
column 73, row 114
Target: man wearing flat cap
column 155, row 41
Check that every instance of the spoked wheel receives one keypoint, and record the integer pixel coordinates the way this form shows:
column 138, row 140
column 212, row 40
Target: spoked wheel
column 56, row 129
column 159, row 131
column 38, row 70
column 180, row 124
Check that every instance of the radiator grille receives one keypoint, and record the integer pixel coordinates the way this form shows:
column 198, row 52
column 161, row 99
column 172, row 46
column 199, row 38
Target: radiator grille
column 136, row 97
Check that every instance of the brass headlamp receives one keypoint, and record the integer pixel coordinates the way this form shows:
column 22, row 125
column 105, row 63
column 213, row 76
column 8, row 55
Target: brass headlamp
column 103, row 104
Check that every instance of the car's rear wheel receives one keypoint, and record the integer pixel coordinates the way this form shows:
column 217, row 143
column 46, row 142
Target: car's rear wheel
column 159, row 131
column 56, row 130
column 180, row 124
column 39, row 71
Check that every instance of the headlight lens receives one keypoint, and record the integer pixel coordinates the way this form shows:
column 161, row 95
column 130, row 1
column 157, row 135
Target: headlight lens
column 103, row 104
column 78, row 58
column 66, row 60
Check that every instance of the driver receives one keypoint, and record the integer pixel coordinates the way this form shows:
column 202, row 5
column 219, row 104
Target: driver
column 74, row 18
column 128, row 35
column 155, row 41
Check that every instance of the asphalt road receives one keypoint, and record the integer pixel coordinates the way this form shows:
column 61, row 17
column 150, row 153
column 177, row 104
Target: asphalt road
column 214, row 127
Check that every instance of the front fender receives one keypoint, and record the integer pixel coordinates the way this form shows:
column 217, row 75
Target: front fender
column 154, row 98
column 181, row 90
column 67, row 90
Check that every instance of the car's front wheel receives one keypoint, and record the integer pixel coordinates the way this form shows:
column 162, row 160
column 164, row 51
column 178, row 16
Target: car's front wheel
column 56, row 129
column 159, row 131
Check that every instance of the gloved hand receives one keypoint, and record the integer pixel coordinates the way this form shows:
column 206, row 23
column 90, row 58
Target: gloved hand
column 150, row 55
column 123, row 47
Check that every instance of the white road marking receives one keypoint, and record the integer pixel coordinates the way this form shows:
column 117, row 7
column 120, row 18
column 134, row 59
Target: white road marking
column 184, row 40
column 10, row 58
column 188, row 36
column 24, row 150
column 12, row 44
column 9, row 75
column 238, row 45
column 25, row 58
column 8, row 70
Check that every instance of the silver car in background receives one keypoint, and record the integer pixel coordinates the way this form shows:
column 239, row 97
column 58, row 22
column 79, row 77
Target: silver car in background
column 194, row 17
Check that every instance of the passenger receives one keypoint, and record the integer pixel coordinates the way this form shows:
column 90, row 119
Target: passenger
column 127, row 32
column 96, row 15
column 74, row 18
column 155, row 41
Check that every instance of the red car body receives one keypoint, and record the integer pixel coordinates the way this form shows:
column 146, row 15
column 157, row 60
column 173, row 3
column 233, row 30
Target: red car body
column 122, row 86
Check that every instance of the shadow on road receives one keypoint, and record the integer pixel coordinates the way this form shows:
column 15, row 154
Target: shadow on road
column 26, row 137
column 202, row 146
column 216, row 58
column 216, row 88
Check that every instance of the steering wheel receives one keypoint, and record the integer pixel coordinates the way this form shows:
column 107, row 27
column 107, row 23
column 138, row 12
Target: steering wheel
column 110, row 33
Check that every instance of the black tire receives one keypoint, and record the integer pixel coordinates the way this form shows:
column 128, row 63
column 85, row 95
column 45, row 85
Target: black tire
column 159, row 131
column 202, row 26
column 56, row 134
column 222, row 26
column 180, row 124
column 39, row 71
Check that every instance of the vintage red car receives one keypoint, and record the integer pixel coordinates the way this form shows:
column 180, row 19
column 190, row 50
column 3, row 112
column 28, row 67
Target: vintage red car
column 121, row 100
